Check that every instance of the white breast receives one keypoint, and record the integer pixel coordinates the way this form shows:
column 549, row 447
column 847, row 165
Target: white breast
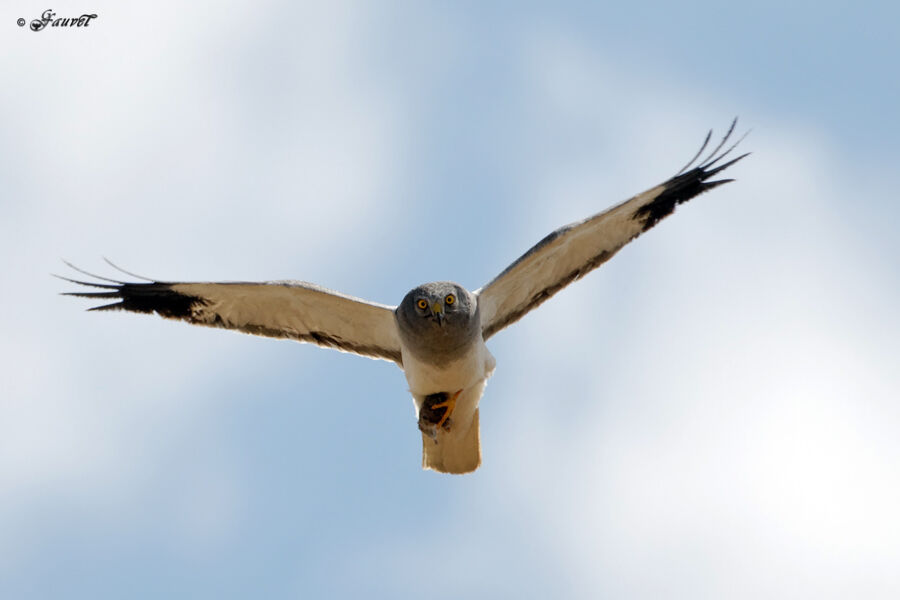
column 475, row 365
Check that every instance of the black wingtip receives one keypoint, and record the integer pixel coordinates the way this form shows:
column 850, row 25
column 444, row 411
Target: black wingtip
column 129, row 273
column 88, row 283
column 114, row 306
column 697, row 155
column 113, row 294
column 691, row 181
column 83, row 272
column 148, row 296
column 712, row 172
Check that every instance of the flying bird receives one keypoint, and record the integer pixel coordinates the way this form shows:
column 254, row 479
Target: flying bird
column 437, row 333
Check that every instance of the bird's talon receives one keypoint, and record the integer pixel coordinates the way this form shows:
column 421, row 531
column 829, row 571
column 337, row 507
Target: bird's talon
column 430, row 416
column 449, row 404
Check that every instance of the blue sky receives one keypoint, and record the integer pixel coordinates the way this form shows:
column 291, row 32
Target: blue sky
column 713, row 413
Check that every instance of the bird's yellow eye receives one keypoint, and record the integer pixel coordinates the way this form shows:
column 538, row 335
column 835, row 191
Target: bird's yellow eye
column 422, row 303
column 450, row 299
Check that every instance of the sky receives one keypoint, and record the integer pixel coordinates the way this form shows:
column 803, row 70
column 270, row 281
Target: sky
column 713, row 413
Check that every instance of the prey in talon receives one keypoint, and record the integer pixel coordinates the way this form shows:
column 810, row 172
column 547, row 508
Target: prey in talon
column 435, row 412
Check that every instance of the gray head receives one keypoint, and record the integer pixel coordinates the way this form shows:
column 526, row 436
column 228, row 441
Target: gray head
column 438, row 321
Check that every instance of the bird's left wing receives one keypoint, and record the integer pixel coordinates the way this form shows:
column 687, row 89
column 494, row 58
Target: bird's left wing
column 281, row 309
column 578, row 248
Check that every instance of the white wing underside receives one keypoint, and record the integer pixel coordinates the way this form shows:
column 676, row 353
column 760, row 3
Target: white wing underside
column 280, row 309
column 576, row 249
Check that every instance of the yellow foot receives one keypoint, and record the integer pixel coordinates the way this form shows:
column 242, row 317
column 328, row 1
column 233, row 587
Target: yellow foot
column 449, row 404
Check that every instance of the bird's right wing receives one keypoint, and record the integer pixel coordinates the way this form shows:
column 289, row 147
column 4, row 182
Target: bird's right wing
column 280, row 309
column 572, row 251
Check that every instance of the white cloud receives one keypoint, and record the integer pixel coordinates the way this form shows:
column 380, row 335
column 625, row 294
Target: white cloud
column 712, row 408
column 133, row 142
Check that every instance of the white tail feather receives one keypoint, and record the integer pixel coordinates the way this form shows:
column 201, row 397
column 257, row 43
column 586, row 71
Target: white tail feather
column 454, row 451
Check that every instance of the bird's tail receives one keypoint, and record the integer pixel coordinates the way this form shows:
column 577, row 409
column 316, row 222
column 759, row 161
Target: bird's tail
column 454, row 451
column 456, row 448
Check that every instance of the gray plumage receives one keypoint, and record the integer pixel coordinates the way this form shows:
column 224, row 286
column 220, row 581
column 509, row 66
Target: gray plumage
column 439, row 337
column 437, row 333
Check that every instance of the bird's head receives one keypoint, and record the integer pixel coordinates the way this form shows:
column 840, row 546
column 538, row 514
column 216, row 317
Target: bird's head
column 439, row 315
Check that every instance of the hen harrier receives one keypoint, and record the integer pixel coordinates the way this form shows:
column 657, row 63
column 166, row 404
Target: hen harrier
column 437, row 334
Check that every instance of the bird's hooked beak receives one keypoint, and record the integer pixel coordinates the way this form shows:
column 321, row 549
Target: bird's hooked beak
column 437, row 313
